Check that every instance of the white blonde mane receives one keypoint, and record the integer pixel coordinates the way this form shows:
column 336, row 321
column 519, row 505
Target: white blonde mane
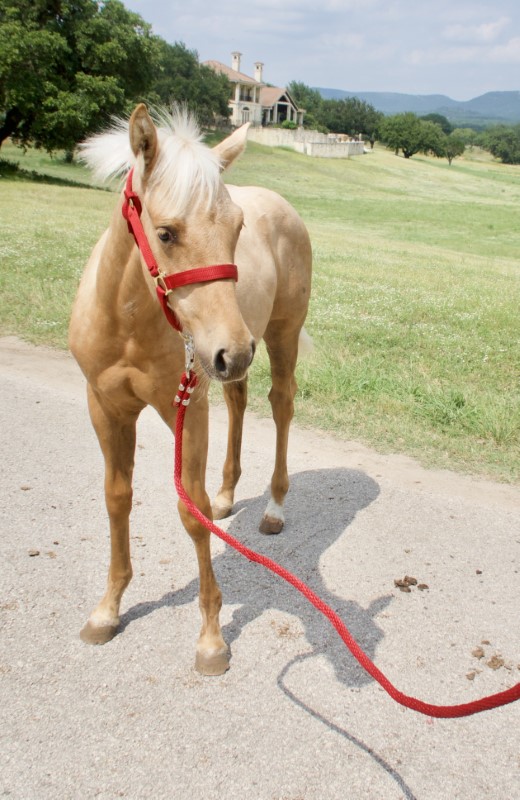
column 187, row 172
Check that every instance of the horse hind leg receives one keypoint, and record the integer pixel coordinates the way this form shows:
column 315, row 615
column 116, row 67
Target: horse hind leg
column 117, row 440
column 282, row 348
column 235, row 395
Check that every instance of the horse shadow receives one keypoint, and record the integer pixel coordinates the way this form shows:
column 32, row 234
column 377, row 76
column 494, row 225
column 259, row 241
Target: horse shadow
column 320, row 507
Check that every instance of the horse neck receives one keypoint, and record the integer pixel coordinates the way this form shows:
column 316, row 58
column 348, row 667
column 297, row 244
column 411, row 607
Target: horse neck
column 120, row 275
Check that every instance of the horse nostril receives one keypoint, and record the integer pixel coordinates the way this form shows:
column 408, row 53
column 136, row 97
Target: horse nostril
column 220, row 363
column 253, row 351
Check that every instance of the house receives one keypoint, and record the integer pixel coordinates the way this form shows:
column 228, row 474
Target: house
column 252, row 100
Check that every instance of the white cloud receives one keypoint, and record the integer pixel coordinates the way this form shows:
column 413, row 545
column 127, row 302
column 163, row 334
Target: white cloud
column 508, row 53
column 341, row 42
column 452, row 46
column 253, row 29
column 485, row 32
column 304, row 6
column 474, row 48
column 447, row 55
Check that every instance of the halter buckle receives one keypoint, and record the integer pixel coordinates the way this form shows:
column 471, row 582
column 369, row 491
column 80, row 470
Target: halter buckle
column 160, row 282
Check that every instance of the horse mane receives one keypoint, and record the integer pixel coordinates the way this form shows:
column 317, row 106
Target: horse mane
column 186, row 172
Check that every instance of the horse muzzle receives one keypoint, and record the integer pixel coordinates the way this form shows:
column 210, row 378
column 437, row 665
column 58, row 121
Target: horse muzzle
column 230, row 364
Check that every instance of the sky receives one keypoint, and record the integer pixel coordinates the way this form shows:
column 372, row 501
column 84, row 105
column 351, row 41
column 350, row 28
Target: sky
column 459, row 48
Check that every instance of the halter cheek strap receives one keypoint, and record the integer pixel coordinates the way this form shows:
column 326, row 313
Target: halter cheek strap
column 165, row 284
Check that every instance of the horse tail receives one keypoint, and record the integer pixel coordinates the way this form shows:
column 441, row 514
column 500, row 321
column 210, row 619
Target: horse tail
column 305, row 344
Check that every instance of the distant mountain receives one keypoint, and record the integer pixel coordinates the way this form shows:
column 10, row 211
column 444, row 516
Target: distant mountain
column 487, row 108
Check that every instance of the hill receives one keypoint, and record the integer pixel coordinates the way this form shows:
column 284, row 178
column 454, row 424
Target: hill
column 492, row 107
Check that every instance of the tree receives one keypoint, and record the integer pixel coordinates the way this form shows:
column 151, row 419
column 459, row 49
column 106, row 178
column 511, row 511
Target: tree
column 66, row 65
column 450, row 147
column 179, row 77
column 440, row 120
column 350, row 115
column 307, row 98
column 410, row 134
column 469, row 136
column 503, row 142
column 312, row 102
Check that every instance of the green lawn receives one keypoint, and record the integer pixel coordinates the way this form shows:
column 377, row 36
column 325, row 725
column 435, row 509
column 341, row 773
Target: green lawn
column 415, row 304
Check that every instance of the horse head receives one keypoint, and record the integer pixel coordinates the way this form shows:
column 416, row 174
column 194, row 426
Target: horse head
column 191, row 221
column 188, row 221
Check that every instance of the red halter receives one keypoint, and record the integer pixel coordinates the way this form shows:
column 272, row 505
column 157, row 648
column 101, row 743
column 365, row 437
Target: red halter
column 165, row 284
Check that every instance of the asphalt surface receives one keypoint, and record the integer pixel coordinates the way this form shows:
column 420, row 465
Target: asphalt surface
column 294, row 718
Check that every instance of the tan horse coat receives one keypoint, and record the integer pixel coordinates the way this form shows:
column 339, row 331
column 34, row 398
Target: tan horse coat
column 131, row 357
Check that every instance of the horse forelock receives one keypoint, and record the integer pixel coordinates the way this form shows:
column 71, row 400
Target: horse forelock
column 186, row 172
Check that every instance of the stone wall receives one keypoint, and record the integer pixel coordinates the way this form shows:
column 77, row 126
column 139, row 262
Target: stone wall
column 334, row 149
column 310, row 143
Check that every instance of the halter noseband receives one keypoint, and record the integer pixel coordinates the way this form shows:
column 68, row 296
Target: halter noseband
column 165, row 284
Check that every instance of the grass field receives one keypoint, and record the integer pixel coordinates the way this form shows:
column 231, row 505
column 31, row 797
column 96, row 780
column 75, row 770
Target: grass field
column 415, row 304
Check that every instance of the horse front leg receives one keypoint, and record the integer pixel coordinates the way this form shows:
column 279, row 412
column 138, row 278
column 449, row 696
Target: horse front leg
column 282, row 348
column 235, row 395
column 212, row 656
column 117, row 440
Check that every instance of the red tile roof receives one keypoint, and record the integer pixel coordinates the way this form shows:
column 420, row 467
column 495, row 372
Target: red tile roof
column 231, row 74
column 270, row 95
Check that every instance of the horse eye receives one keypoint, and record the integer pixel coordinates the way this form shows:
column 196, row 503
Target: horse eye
column 167, row 235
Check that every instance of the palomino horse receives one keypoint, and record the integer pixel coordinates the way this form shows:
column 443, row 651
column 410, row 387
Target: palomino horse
column 132, row 357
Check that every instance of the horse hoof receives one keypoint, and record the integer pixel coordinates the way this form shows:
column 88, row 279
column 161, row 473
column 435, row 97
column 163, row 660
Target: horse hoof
column 214, row 664
column 220, row 512
column 97, row 634
column 270, row 525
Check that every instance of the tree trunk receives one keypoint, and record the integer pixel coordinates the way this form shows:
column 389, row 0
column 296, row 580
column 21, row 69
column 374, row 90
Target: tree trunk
column 12, row 118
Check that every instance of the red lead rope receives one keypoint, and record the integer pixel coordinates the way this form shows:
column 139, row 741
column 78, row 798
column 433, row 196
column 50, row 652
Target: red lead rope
column 165, row 284
column 431, row 710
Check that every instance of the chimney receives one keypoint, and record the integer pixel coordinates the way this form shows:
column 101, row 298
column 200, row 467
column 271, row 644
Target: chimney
column 258, row 71
column 236, row 61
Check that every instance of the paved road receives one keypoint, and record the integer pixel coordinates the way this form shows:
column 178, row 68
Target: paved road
column 294, row 718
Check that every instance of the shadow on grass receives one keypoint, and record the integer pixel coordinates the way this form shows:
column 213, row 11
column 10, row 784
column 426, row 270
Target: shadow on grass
column 13, row 171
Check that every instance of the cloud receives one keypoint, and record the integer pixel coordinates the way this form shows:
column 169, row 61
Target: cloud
column 400, row 45
column 285, row 18
column 269, row 9
column 304, row 6
column 508, row 53
column 447, row 55
column 484, row 33
column 472, row 44
column 341, row 42
column 253, row 27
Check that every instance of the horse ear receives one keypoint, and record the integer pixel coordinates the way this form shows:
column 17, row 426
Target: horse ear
column 143, row 136
column 231, row 148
